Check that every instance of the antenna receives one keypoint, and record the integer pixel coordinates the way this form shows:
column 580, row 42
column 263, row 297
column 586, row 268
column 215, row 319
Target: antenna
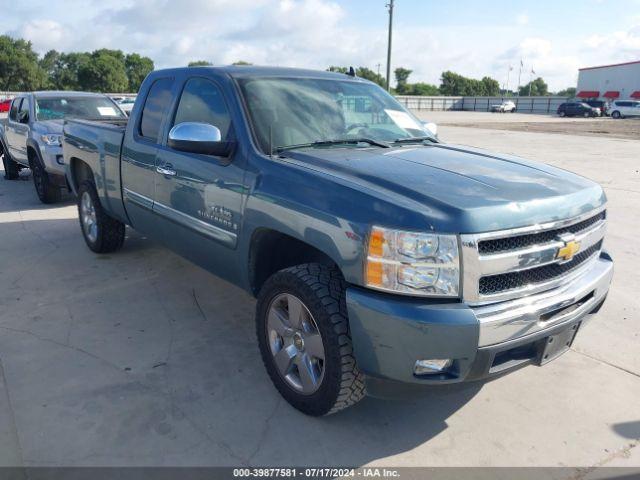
column 271, row 140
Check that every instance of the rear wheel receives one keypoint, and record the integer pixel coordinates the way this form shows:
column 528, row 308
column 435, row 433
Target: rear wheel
column 102, row 233
column 303, row 334
column 562, row 113
column 616, row 115
column 47, row 192
column 586, row 114
column 11, row 168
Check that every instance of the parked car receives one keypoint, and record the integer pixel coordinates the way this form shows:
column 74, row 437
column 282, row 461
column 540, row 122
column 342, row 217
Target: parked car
column 625, row 108
column 599, row 104
column 125, row 103
column 5, row 105
column 572, row 109
column 375, row 251
column 504, row 107
column 31, row 135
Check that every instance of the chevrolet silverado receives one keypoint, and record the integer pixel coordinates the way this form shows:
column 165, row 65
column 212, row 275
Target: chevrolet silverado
column 377, row 253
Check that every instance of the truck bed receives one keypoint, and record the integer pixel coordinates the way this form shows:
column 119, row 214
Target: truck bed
column 98, row 143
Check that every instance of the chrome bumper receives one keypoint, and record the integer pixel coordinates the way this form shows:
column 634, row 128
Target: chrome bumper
column 504, row 321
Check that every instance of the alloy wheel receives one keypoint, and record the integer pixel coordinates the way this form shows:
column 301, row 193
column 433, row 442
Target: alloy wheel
column 88, row 217
column 295, row 343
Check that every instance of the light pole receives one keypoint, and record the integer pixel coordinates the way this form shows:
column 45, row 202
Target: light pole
column 390, row 7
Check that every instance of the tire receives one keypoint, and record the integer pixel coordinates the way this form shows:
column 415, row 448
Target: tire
column 586, row 114
column 562, row 113
column 11, row 168
column 321, row 292
column 47, row 192
column 102, row 233
column 616, row 115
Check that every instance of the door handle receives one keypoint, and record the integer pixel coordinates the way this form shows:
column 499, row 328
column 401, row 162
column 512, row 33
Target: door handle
column 166, row 170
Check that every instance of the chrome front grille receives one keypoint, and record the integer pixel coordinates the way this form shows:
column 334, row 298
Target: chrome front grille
column 497, row 245
column 508, row 264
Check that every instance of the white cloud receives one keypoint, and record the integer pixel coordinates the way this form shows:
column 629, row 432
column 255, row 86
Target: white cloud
column 312, row 34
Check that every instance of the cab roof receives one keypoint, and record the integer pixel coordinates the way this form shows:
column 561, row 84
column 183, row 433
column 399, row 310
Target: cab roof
column 257, row 71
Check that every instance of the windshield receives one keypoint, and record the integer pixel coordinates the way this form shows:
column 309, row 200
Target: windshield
column 298, row 111
column 53, row 108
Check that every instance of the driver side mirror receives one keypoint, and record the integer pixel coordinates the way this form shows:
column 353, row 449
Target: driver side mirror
column 23, row 117
column 196, row 137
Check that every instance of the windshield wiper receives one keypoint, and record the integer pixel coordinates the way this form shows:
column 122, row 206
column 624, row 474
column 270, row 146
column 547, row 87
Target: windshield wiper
column 414, row 140
column 337, row 141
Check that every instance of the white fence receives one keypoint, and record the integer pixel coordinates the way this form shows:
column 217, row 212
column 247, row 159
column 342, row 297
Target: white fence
column 481, row 104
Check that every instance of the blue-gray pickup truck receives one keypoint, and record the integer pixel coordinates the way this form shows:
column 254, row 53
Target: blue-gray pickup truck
column 377, row 253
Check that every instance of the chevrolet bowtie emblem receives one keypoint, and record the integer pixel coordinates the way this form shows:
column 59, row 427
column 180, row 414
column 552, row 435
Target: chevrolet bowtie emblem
column 567, row 252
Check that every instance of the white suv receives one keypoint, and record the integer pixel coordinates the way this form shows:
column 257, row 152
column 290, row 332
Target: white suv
column 624, row 108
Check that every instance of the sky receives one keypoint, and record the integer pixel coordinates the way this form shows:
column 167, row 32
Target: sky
column 473, row 38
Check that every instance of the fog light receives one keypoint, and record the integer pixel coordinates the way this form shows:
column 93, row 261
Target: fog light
column 431, row 366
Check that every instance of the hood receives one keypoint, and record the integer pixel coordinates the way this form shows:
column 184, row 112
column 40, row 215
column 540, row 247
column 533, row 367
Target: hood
column 460, row 189
column 49, row 126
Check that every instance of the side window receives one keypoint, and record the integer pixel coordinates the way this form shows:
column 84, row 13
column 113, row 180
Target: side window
column 23, row 113
column 13, row 114
column 201, row 101
column 155, row 108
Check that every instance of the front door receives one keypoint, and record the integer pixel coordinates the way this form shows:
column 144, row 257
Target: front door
column 139, row 156
column 198, row 198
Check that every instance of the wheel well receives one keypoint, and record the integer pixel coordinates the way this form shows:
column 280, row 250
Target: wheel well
column 80, row 172
column 272, row 251
column 32, row 155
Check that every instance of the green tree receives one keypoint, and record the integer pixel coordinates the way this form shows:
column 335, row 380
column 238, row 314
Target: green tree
column 241, row 62
column 453, row 84
column 65, row 73
column 539, row 88
column 425, row 89
column 567, row 92
column 105, row 71
column 19, row 67
column 137, row 68
column 490, row 87
column 402, row 77
column 199, row 63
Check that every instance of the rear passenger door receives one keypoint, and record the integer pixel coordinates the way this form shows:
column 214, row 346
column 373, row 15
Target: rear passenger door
column 199, row 202
column 139, row 155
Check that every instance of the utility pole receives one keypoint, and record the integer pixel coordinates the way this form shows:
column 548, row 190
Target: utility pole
column 378, row 65
column 390, row 7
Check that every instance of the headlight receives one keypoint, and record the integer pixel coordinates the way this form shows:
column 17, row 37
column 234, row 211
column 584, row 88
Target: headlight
column 413, row 263
column 52, row 140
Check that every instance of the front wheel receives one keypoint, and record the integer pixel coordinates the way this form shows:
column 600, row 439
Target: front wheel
column 303, row 334
column 586, row 114
column 47, row 192
column 616, row 115
column 562, row 113
column 102, row 233
column 11, row 168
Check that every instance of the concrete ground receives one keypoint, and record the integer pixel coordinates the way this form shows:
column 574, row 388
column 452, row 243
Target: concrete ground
column 140, row 358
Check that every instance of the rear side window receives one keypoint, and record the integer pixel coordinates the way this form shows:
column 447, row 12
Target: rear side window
column 13, row 114
column 201, row 101
column 156, row 106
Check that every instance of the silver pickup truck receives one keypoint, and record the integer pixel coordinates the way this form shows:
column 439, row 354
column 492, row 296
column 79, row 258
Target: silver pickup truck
column 31, row 135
